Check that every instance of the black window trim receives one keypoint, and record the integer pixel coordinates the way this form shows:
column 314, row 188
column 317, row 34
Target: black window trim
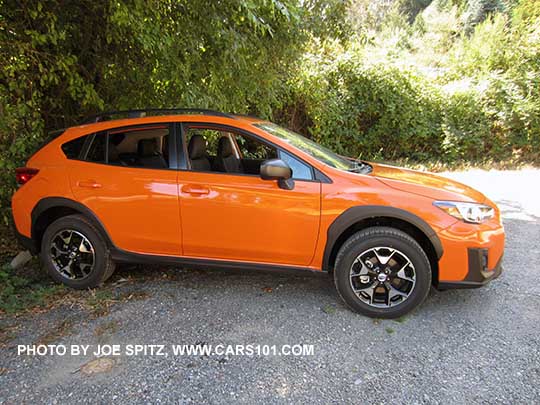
column 317, row 176
column 173, row 151
column 178, row 155
column 84, row 148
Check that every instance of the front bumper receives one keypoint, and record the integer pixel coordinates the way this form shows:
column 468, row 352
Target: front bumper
column 472, row 254
column 478, row 274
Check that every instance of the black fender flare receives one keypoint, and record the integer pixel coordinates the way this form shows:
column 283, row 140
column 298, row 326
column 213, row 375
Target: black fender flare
column 355, row 214
column 61, row 202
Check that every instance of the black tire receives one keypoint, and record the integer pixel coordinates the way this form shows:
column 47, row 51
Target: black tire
column 382, row 237
column 103, row 266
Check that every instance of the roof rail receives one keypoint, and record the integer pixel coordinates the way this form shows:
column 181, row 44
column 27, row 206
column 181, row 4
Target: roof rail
column 149, row 112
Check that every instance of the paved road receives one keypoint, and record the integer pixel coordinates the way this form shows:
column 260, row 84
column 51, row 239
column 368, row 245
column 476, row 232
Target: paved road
column 474, row 346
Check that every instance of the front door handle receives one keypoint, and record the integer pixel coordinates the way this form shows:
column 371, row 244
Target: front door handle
column 196, row 190
column 89, row 184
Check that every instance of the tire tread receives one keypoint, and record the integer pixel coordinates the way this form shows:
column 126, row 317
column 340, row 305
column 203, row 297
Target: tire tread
column 108, row 263
column 374, row 232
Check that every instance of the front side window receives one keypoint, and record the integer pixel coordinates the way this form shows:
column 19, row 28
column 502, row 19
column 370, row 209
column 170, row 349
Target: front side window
column 224, row 151
column 220, row 150
column 251, row 148
column 300, row 170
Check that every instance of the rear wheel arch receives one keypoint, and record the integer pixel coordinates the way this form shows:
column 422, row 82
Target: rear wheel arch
column 49, row 209
column 358, row 218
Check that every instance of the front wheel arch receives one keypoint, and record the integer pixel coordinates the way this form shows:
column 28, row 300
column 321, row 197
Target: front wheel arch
column 356, row 219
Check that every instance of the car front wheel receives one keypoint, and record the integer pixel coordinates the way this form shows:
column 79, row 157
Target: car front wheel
column 382, row 272
column 75, row 254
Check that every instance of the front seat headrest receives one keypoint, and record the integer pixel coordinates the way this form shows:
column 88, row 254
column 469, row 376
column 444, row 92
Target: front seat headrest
column 225, row 148
column 197, row 147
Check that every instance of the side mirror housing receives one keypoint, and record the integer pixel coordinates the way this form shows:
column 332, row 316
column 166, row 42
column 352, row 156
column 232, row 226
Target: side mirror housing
column 277, row 169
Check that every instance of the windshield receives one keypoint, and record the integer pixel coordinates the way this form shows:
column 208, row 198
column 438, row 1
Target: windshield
column 319, row 152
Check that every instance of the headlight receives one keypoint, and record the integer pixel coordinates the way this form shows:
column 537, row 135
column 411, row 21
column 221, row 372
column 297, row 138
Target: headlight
column 468, row 212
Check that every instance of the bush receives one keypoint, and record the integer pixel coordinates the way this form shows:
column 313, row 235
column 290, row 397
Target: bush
column 429, row 92
column 21, row 292
column 373, row 112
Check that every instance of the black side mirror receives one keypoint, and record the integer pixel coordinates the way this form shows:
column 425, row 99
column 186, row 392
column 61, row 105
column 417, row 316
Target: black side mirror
column 277, row 169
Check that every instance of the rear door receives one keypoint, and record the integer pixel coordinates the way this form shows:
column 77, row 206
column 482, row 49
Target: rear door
column 128, row 177
column 238, row 216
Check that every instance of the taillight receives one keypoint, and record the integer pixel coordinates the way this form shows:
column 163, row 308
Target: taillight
column 24, row 174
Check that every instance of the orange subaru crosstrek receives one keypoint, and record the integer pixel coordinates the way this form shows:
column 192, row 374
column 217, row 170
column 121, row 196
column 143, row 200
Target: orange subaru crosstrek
column 203, row 188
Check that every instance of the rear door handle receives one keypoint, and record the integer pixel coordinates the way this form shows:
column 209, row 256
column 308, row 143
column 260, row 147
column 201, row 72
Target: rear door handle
column 89, row 184
column 196, row 190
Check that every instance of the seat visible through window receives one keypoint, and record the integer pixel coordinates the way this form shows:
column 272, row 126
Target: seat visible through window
column 226, row 161
column 149, row 154
column 197, row 154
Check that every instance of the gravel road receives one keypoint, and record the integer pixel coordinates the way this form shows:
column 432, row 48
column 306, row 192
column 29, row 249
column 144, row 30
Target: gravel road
column 468, row 346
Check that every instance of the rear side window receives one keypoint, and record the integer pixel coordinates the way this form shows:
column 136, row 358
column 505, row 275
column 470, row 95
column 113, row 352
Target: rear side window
column 73, row 148
column 97, row 150
column 146, row 146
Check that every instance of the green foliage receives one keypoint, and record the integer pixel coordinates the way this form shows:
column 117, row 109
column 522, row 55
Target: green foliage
column 430, row 90
column 371, row 111
column 18, row 293
column 411, row 8
column 479, row 10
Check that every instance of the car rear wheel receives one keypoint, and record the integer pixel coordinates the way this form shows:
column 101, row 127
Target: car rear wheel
column 382, row 272
column 75, row 254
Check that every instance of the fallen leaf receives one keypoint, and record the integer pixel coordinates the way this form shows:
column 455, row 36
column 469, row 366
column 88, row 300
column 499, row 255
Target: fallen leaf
column 96, row 366
column 329, row 309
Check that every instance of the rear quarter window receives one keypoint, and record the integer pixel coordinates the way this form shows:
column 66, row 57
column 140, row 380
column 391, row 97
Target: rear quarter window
column 73, row 148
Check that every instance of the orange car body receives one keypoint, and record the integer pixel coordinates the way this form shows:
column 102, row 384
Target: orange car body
column 198, row 217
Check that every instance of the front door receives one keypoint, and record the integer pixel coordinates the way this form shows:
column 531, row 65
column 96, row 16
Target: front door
column 228, row 212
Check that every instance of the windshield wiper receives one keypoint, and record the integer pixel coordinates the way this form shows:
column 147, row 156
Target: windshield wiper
column 360, row 167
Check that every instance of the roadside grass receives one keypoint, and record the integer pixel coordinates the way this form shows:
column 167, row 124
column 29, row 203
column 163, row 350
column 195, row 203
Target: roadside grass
column 26, row 288
column 29, row 289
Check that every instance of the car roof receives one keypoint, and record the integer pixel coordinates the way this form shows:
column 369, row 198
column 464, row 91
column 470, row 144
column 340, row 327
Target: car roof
column 154, row 112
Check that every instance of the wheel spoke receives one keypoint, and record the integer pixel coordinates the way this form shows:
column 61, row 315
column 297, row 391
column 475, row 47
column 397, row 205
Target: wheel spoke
column 67, row 268
column 75, row 262
column 364, row 270
column 393, row 292
column 382, row 258
column 83, row 266
column 58, row 250
column 369, row 290
column 401, row 274
column 67, row 239
column 386, row 284
column 83, row 248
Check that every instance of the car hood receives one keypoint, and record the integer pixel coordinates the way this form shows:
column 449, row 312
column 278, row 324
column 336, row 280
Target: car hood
column 425, row 184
